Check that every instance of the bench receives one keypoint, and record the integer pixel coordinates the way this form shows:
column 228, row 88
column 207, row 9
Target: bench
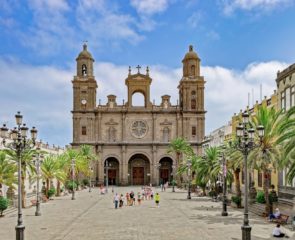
column 283, row 219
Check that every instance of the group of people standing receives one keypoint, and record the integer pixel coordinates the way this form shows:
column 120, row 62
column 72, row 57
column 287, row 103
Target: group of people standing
column 146, row 193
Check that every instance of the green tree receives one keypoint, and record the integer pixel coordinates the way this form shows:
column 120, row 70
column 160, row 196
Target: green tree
column 27, row 166
column 278, row 132
column 8, row 170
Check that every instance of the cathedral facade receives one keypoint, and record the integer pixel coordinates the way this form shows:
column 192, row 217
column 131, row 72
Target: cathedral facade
column 131, row 142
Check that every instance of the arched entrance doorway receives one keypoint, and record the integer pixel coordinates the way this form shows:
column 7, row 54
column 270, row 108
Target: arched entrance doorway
column 139, row 170
column 165, row 170
column 111, row 171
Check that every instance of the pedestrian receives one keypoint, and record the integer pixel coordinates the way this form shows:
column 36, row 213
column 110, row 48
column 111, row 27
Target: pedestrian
column 157, row 199
column 275, row 215
column 277, row 233
column 138, row 198
column 121, row 201
column 116, row 200
column 132, row 198
column 162, row 187
column 152, row 194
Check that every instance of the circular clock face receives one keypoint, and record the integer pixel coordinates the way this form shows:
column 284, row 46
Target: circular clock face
column 83, row 101
column 139, row 129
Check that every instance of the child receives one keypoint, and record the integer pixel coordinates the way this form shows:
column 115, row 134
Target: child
column 157, row 199
column 138, row 198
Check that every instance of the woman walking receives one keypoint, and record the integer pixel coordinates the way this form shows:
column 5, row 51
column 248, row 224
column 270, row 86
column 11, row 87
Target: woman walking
column 116, row 200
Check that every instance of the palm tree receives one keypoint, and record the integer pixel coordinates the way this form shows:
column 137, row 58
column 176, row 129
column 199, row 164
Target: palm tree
column 208, row 166
column 278, row 130
column 49, row 170
column 235, row 164
column 7, row 170
column 27, row 166
column 180, row 146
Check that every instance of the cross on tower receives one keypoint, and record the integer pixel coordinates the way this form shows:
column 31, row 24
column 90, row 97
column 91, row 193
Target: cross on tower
column 138, row 68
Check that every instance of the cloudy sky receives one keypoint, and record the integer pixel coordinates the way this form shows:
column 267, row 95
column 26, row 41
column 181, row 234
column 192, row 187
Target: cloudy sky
column 242, row 44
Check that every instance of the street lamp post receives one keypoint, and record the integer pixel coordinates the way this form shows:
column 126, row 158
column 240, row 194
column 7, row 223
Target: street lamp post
column 189, row 165
column 173, row 181
column 73, row 164
column 38, row 161
column 224, row 200
column 107, row 175
column 245, row 135
column 90, row 170
column 19, row 144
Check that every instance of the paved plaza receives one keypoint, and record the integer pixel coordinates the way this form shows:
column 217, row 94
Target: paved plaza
column 92, row 216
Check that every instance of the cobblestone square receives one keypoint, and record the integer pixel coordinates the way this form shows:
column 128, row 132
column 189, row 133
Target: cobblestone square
column 92, row 216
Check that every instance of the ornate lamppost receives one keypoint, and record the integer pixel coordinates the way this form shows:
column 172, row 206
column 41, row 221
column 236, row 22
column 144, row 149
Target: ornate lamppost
column 19, row 144
column 91, row 171
column 224, row 172
column 73, row 164
column 173, row 175
column 245, row 136
column 107, row 165
column 38, row 161
column 189, row 165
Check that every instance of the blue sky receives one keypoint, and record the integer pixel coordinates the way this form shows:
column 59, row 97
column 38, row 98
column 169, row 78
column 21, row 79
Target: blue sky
column 242, row 44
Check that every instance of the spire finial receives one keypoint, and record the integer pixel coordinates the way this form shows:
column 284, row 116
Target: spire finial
column 191, row 48
column 85, row 45
column 147, row 71
column 129, row 71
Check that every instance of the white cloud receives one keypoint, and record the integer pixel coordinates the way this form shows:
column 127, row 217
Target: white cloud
column 44, row 93
column 261, row 5
column 194, row 19
column 149, row 7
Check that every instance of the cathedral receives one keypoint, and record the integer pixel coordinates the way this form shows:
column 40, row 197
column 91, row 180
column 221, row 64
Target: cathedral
column 131, row 142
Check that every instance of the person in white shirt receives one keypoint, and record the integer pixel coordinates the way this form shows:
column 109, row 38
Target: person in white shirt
column 277, row 214
column 277, row 232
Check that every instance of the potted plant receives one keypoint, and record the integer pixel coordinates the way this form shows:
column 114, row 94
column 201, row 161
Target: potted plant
column 3, row 205
column 237, row 201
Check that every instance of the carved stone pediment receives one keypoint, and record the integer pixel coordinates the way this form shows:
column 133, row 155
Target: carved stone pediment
column 111, row 122
column 166, row 122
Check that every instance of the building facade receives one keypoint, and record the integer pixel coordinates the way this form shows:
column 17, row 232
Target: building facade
column 131, row 142
column 286, row 99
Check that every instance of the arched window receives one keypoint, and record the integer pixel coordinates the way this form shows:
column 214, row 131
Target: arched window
column 84, row 70
column 166, row 134
column 138, row 99
column 193, row 69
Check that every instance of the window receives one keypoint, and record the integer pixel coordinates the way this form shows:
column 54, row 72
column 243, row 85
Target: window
column 288, row 98
column 194, row 131
column 259, row 179
column 84, row 70
column 193, row 69
column 293, row 96
column 193, row 103
column 84, row 130
column 283, row 100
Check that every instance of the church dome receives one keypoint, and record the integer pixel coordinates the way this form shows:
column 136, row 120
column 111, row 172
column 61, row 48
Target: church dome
column 85, row 53
column 191, row 54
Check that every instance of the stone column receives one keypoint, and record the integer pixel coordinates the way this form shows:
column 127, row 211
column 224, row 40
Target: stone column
column 99, row 127
column 101, row 165
column 154, row 169
column 124, row 167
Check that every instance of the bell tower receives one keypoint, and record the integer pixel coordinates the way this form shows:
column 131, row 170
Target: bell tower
column 191, row 86
column 191, row 99
column 84, row 83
